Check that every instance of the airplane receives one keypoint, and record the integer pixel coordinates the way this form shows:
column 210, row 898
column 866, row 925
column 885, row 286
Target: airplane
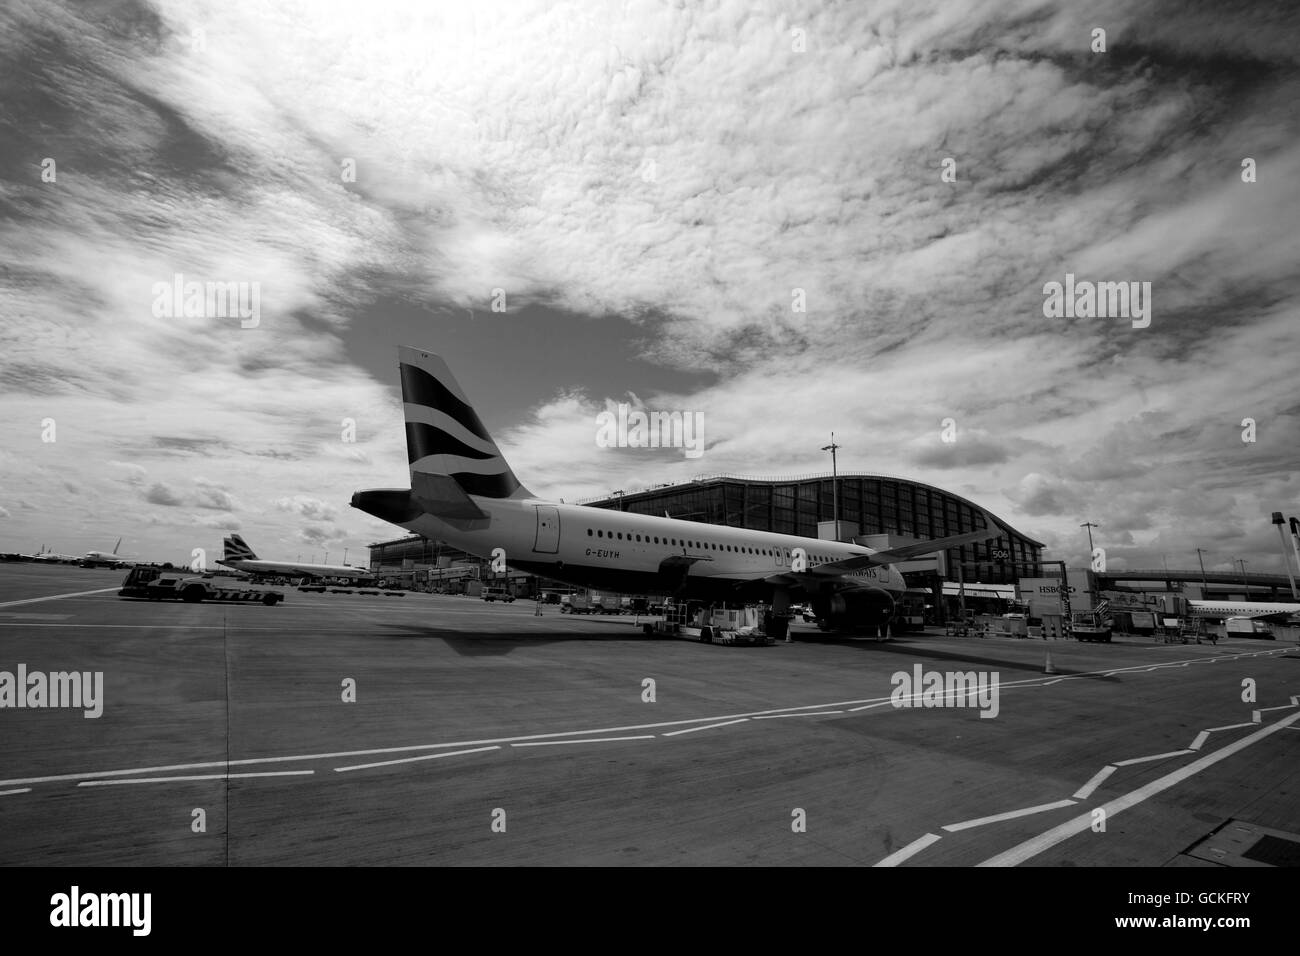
column 105, row 558
column 240, row 557
column 1256, row 610
column 52, row 557
column 463, row 492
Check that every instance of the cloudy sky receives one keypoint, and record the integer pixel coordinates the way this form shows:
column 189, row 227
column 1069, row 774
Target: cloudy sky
column 653, row 187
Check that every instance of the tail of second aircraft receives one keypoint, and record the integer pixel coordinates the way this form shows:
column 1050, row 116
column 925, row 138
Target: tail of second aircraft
column 444, row 436
column 237, row 550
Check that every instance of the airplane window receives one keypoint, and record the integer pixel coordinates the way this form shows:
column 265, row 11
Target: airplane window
column 588, row 532
column 638, row 537
column 600, row 534
column 620, row 536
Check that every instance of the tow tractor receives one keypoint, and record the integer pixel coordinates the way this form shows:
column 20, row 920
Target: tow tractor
column 714, row 625
column 154, row 584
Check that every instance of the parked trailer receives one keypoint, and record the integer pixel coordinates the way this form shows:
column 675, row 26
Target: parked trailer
column 711, row 625
column 153, row 584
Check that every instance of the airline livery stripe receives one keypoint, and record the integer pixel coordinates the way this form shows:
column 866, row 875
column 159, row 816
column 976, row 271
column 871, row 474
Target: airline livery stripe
column 421, row 388
column 423, row 440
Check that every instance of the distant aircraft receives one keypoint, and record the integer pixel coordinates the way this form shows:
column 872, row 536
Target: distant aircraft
column 463, row 492
column 92, row 559
column 240, row 556
column 1256, row 610
column 53, row 558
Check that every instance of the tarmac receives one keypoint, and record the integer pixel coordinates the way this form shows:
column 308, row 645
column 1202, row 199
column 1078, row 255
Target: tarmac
column 341, row 729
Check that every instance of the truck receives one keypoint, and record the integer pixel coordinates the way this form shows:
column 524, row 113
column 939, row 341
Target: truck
column 497, row 594
column 1247, row 627
column 155, row 584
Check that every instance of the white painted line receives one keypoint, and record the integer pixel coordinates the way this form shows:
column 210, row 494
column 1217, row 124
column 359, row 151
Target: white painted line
column 1051, row 682
column 816, row 713
column 589, row 740
column 913, row 848
column 1084, row 792
column 1201, row 738
column 206, row 776
column 1130, row 762
column 854, row 710
column 1082, row 823
column 691, row 730
column 57, row 597
column 8, row 793
column 1009, row 815
column 1265, row 710
column 868, row 702
column 1231, row 727
column 1255, row 717
column 389, row 763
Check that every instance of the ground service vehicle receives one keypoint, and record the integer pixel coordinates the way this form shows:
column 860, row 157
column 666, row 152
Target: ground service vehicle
column 154, row 584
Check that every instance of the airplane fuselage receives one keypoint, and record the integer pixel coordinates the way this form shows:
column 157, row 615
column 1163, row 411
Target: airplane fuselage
column 295, row 570
column 635, row 553
column 1252, row 609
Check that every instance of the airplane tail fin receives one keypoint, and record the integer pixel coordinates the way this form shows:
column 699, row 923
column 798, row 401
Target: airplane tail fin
column 237, row 550
column 445, row 438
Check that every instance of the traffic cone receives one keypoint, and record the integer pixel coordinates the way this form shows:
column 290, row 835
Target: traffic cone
column 1047, row 666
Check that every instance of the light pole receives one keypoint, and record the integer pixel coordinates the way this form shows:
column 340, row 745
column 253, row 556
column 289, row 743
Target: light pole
column 1200, row 556
column 345, row 555
column 1286, row 563
column 835, row 485
column 1089, row 525
column 1244, row 586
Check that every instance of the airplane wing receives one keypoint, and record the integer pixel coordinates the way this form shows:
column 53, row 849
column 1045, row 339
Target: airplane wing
column 903, row 553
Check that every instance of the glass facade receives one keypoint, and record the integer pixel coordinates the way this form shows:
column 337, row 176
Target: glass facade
column 876, row 504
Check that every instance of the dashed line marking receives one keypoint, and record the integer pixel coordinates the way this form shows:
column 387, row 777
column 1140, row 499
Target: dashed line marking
column 1132, row 760
column 205, row 776
column 913, row 848
column 1009, row 815
column 1059, row 834
column 1084, row 792
column 389, row 763
column 588, row 740
column 691, row 730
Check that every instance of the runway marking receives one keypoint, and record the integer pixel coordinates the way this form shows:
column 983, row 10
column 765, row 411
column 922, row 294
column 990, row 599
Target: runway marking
column 1232, row 726
column 691, row 730
column 389, row 763
column 1009, row 815
column 35, row 615
column 1201, row 738
column 590, row 740
column 1082, row 823
column 198, row 765
column 1084, row 792
column 816, row 713
column 9, row 793
column 58, row 597
column 913, row 848
column 1133, row 760
column 206, row 776
column 854, row 710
